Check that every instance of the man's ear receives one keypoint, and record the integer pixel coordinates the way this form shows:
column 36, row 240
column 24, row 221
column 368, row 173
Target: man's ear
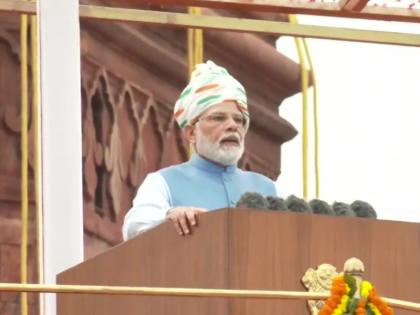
column 190, row 134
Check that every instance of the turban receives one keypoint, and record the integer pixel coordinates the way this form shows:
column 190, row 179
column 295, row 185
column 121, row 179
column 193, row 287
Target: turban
column 210, row 85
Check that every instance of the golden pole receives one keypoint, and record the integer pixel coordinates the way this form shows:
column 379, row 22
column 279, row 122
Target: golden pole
column 37, row 155
column 182, row 292
column 194, row 50
column 315, row 109
column 318, row 8
column 24, row 161
column 195, row 42
column 304, row 86
column 247, row 25
column 229, row 24
column 158, row 291
column 304, row 55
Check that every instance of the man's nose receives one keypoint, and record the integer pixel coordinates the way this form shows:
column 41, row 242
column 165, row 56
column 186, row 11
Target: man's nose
column 231, row 124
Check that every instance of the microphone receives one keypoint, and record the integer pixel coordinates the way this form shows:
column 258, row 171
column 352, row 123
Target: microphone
column 321, row 207
column 276, row 203
column 343, row 209
column 252, row 200
column 296, row 204
column 363, row 209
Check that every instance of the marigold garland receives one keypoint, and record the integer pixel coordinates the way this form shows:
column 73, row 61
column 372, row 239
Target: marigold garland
column 342, row 299
column 336, row 304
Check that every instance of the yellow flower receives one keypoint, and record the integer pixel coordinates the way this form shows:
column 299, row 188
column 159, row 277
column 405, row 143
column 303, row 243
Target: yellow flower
column 365, row 288
column 347, row 288
column 374, row 309
column 341, row 308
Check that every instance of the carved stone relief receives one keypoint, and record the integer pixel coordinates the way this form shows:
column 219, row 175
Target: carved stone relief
column 123, row 140
column 319, row 280
column 10, row 175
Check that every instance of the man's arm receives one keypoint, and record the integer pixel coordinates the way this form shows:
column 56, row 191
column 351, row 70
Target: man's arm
column 150, row 206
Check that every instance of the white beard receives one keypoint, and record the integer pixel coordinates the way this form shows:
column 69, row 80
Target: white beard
column 221, row 154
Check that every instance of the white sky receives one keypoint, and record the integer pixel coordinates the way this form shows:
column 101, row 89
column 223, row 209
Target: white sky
column 369, row 118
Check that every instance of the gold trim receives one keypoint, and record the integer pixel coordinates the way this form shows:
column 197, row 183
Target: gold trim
column 20, row 7
column 342, row 9
column 157, row 291
column 24, row 160
column 37, row 157
column 232, row 24
column 179, row 292
column 305, row 7
column 247, row 25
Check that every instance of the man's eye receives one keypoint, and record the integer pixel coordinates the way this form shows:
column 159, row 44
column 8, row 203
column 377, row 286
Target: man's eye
column 239, row 120
column 219, row 118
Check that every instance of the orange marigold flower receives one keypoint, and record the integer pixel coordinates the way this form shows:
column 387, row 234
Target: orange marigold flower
column 388, row 311
column 376, row 300
column 331, row 304
column 322, row 312
column 360, row 309
column 383, row 308
column 340, row 290
column 327, row 309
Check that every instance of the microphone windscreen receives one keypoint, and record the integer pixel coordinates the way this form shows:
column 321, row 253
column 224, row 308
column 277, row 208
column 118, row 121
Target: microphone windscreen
column 296, row 204
column 321, row 207
column 343, row 209
column 252, row 200
column 276, row 203
column 363, row 209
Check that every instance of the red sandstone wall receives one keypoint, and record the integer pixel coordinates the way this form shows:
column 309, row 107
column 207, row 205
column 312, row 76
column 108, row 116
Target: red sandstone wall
column 129, row 85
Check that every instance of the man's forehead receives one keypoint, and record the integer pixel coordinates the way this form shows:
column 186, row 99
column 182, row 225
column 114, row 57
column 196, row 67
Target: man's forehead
column 230, row 107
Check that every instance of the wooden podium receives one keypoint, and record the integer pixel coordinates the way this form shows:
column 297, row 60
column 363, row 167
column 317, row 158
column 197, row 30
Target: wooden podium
column 246, row 249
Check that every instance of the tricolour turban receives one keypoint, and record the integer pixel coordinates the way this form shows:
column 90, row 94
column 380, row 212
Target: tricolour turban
column 210, row 85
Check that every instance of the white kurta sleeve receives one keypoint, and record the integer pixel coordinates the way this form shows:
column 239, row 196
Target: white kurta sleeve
column 150, row 206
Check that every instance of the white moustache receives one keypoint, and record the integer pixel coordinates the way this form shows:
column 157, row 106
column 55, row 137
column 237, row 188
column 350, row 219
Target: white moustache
column 232, row 137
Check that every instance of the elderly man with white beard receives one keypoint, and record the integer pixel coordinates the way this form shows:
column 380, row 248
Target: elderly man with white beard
column 212, row 112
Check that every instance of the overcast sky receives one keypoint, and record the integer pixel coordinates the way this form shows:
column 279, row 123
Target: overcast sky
column 369, row 117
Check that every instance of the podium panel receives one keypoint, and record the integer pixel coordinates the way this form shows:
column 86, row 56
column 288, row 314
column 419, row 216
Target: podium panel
column 245, row 249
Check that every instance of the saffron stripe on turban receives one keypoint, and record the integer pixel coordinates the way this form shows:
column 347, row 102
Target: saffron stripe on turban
column 210, row 85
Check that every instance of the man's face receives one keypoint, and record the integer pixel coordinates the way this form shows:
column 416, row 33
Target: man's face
column 219, row 132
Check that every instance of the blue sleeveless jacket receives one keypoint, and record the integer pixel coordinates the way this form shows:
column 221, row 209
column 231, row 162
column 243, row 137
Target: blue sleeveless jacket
column 204, row 184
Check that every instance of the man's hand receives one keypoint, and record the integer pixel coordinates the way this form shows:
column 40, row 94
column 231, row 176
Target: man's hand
column 184, row 218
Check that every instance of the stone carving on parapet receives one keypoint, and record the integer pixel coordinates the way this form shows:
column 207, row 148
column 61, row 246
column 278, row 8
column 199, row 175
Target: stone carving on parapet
column 319, row 280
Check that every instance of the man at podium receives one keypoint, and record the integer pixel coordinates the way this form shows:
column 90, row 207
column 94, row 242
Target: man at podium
column 213, row 113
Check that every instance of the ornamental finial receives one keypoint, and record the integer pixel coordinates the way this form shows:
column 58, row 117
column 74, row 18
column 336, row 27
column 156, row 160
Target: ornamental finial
column 354, row 266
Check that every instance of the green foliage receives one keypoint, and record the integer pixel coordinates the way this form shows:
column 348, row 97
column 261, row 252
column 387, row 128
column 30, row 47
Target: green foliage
column 351, row 282
column 369, row 310
column 352, row 305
